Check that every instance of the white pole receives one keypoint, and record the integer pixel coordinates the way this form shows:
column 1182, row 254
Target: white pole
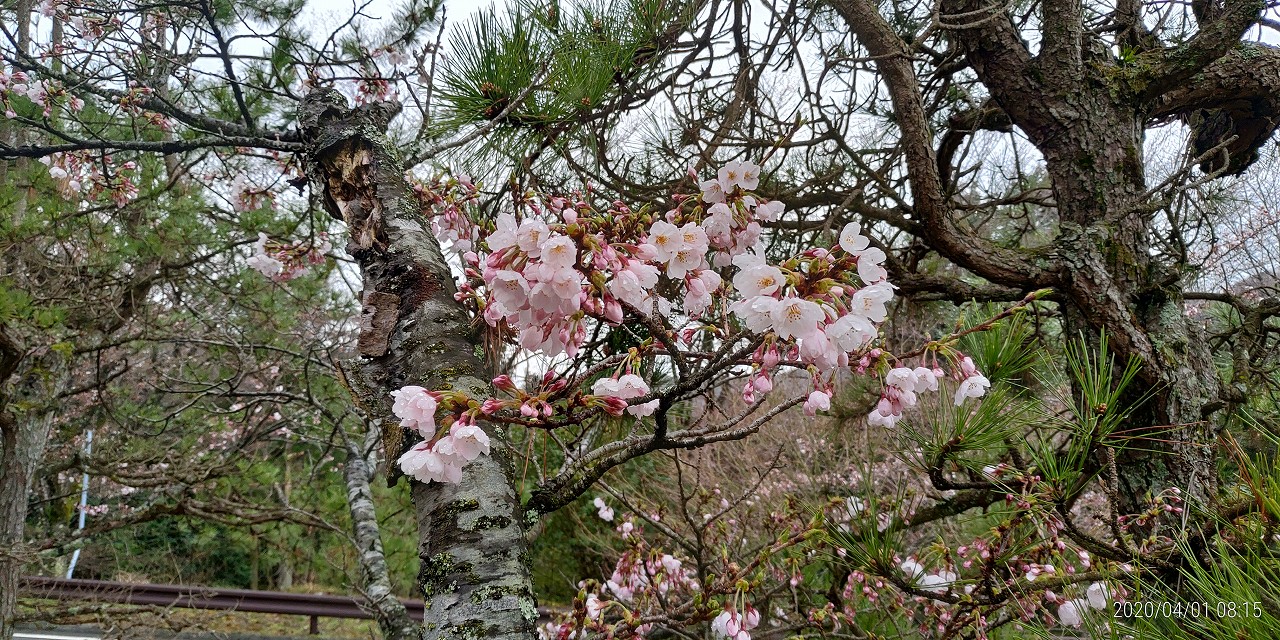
column 84, row 502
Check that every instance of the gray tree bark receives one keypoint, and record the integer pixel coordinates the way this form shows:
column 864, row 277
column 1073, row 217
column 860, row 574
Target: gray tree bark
column 474, row 572
column 13, row 503
column 390, row 613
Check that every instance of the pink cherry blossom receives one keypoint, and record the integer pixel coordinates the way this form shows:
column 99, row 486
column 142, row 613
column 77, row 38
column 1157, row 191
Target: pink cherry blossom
column 869, row 266
column 975, row 386
column 530, row 236
column 796, row 317
column 469, row 440
column 869, row 302
column 758, row 280
column 852, row 240
column 712, row 191
column 1069, row 614
column 427, row 465
column 817, row 401
column 416, row 408
column 770, row 211
column 666, row 239
column 603, row 510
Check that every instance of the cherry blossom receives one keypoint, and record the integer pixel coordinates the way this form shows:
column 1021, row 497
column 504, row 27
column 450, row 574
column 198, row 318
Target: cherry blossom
column 973, row 386
column 734, row 626
column 852, row 240
column 1098, row 595
column 796, row 317
column 758, row 280
column 817, row 401
column 425, row 464
column 625, row 388
column 416, row 408
column 603, row 510
column 1069, row 613
column 468, row 441
column 283, row 263
column 740, row 174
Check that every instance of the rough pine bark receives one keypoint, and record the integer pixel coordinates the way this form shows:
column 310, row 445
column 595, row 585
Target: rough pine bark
column 1087, row 112
column 474, row 556
column 13, row 498
column 24, row 435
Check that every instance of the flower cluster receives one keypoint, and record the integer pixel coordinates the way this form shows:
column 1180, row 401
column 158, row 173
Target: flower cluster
column 74, row 173
column 560, row 267
column 448, row 200
column 43, row 93
column 438, row 457
column 247, row 197
column 563, row 262
column 283, row 263
column 642, row 572
column 903, row 384
column 68, row 173
column 939, row 582
column 735, row 626
column 1070, row 612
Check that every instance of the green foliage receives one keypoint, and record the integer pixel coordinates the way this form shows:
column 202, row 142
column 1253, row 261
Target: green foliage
column 962, row 435
column 1007, row 351
column 566, row 61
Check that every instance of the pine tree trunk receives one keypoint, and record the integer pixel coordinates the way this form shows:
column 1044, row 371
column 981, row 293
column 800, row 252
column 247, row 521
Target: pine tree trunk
column 24, row 437
column 474, row 572
column 1112, row 284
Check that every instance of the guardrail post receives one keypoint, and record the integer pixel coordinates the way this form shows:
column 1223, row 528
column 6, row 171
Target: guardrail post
column 315, row 625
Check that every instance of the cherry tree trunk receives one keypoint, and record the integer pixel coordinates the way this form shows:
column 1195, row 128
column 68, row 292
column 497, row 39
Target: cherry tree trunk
column 473, row 551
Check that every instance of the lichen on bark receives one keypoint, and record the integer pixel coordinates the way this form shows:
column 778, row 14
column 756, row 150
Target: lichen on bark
column 430, row 344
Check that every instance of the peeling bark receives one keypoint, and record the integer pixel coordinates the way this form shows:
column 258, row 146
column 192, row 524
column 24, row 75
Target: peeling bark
column 474, row 572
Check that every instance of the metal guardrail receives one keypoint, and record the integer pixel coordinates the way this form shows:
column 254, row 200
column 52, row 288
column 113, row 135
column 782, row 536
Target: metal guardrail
column 190, row 597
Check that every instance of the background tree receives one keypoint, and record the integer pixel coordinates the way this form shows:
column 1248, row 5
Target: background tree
column 1088, row 225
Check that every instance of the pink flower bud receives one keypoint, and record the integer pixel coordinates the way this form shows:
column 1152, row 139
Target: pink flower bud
column 613, row 311
column 614, row 406
column 771, row 358
column 885, row 406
